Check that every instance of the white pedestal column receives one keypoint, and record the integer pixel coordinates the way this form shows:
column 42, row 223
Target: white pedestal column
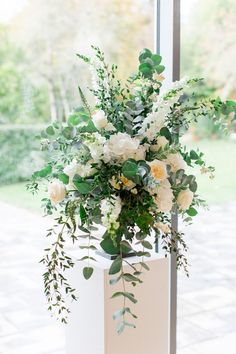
column 91, row 329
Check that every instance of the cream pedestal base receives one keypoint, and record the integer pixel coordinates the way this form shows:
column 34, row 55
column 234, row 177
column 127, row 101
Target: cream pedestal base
column 91, row 329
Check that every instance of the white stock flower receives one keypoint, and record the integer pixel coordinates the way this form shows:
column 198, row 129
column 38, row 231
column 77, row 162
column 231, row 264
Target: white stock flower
column 99, row 119
column 110, row 209
column 153, row 123
column 56, row 191
column 161, row 142
column 176, row 162
column 122, row 147
column 164, row 198
column 98, row 147
column 184, row 199
column 83, row 170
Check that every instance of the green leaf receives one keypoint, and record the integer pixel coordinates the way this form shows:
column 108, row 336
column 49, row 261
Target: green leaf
column 125, row 246
column 120, row 327
column 144, row 265
column 159, row 68
column 118, row 314
column 156, row 59
column 44, row 172
column 114, row 281
column 192, row 211
column 82, row 187
column 87, row 272
column 146, row 244
column 130, row 169
column 129, row 296
column 50, row 130
column 108, row 246
column 166, row 133
column 64, row 178
column 128, row 324
column 145, row 53
column 193, row 155
column 130, row 278
column 146, row 69
column 82, row 213
column 193, row 186
column 116, row 266
column 69, row 132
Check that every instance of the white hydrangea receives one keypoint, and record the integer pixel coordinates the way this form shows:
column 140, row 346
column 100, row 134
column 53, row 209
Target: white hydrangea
column 122, row 146
column 110, row 209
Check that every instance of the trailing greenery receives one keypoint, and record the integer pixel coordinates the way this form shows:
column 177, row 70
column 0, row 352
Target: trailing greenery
column 122, row 165
column 19, row 151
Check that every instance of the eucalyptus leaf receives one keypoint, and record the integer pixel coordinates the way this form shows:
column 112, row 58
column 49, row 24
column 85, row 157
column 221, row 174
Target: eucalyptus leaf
column 87, row 272
column 116, row 266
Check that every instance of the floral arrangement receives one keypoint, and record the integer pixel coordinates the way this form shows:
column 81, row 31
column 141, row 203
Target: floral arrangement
column 121, row 165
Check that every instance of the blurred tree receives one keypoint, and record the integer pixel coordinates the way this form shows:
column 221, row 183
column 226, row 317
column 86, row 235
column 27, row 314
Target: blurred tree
column 209, row 43
column 51, row 32
column 19, row 99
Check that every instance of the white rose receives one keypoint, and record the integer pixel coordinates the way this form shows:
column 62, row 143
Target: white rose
column 99, row 119
column 176, row 162
column 164, row 198
column 184, row 199
column 56, row 191
column 122, row 146
column 161, row 142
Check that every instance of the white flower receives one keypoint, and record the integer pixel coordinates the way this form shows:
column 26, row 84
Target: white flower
column 110, row 209
column 99, row 119
column 97, row 147
column 184, row 199
column 134, row 191
column 56, row 191
column 153, row 123
column 128, row 184
column 115, row 183
column 71, row 169
column 164, row 198
column 83, row 170
column 163, row 227
column 122, row 147
column 110, row 127
column 86, row 170
column 176, row 162
column 140, row 153
column 158, row 170
column 161, row 142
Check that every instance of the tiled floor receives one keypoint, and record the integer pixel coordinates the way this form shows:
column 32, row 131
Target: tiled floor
column 207, row 301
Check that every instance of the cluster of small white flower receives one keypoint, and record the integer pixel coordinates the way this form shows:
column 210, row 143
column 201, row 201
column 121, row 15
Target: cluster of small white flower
column 110, row 209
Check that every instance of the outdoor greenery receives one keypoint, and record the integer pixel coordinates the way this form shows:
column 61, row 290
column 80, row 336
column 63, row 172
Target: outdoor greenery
column 20, row 152
column 121, row 164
